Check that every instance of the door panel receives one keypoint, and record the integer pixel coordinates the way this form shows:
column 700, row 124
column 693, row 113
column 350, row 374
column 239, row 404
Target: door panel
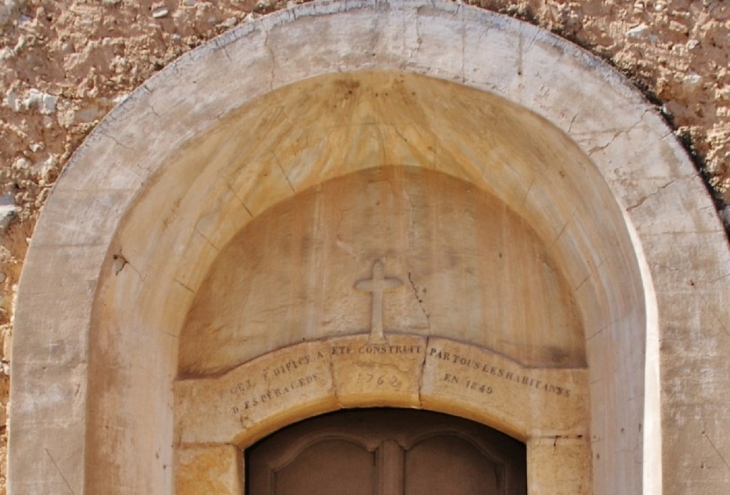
column 329, row 466
column 387, row 452
column 452, row 465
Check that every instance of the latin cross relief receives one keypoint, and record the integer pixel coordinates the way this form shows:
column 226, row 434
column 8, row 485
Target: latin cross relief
column 377, row 286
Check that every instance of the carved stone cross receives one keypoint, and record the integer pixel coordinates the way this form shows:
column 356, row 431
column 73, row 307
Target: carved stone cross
column 377, row 285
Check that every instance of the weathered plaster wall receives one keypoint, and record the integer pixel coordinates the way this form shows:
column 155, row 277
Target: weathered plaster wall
column 64, row 64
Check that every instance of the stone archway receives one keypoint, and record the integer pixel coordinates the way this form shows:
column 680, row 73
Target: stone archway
column 139, row 217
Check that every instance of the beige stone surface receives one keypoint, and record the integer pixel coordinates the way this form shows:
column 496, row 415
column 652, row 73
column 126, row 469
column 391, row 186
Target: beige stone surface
column 295, row 382
column 256, row 398
column 213, row 470
column 607, row 293
column 290, row 384
column 297, row 264
column 150, row 206
column 557, row 465
column 88, row 56
column 373, row 374
column 517, row 400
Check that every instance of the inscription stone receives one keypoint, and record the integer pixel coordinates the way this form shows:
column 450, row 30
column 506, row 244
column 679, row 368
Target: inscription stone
column 274, row 384
column 406, row 371
column 548, row 399
column 277, row 380
column 490, row 372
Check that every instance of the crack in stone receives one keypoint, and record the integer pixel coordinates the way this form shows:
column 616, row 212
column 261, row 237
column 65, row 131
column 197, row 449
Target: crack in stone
column 580, row 284
column 59, row 472
column 419, row 42
column 618, row 133
column 463, row 46
column 645, row 198
column 333, row 378
column 662, row 266
column 565, row 226
column 342, row 211
column 641, row 119
column 717, row 451
column 121, row 262
column 152, row 109
column 418, row 298
column 225, row 52
column 381, row 138
column 404, row 24
column 273, row 60
column 411, row 210
column 609, row 143
column 717, row 279
column 184, row 286
column 422, row 371
column 520, row 49
column 595, row 334
column 398, row 133
column 529, row 188
column 712, row 311
column 283, row 172
column 116, row 141
column 572, row 121
column 206, row 239
column 230, row 188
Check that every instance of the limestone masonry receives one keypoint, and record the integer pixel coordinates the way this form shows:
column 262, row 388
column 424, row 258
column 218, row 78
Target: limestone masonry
column 64, row 65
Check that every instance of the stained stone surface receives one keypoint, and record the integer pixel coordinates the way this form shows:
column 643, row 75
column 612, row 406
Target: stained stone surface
column 213, row 470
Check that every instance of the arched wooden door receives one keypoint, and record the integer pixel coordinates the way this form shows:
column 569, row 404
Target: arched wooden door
column 387, row 452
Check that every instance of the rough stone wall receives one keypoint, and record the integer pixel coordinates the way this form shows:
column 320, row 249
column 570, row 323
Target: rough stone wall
column 65, row 63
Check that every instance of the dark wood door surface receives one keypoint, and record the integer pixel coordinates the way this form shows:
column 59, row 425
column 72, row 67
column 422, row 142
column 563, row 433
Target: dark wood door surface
column 387, row 452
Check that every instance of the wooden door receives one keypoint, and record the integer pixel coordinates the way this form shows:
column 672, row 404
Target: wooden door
column 387, row 452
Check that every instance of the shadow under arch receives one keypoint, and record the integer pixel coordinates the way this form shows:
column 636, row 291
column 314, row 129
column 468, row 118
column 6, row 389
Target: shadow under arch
column 389, row 434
